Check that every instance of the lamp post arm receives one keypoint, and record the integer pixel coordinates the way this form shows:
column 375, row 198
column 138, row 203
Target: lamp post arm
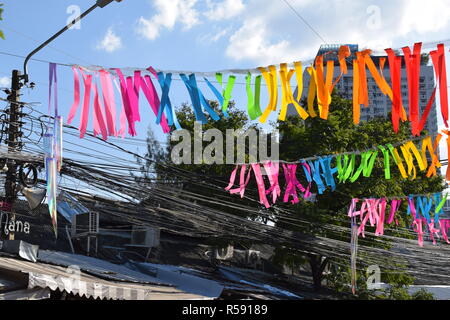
column 101, row 4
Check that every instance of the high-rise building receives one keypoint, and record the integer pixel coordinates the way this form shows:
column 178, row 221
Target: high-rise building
column 379, row 104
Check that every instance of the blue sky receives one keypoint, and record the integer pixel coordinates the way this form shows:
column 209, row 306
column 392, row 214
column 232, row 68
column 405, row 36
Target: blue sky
column 203, row 35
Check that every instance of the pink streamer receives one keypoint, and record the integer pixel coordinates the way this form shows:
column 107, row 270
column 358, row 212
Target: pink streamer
column 126, row 103
column 87, row 97
column 417, row 224
column 444, row 225
column 260, row 182
column 152, row 96
column 123, row 117
column 232, row 178
column 76, row 90
column 380, row 223
column 433, row 231
column 272, row 169
column 292, row 183
column 109, row 102
column 395, row 205
column 99, row 122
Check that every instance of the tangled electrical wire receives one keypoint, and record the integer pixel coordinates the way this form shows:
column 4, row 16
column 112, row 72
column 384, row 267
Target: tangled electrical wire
column 102, row 174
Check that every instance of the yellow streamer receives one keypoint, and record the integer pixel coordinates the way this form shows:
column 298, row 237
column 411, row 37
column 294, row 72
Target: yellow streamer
column 432, row 149
column 272, row 88
column 356, row 104
column 287, row 96
column 399, row 163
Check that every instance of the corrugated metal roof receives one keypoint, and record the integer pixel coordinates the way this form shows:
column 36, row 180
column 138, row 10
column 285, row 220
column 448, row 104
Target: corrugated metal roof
column 184, row 278
column 58, row 277
column 101, row 268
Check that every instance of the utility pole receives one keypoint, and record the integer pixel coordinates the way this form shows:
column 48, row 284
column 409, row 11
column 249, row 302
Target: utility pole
column 15, row 112
column 14, row 133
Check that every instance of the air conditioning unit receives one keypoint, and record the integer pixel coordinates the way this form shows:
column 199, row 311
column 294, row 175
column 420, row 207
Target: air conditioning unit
column 145, row 237
column 253, row 257
column 224, row 253
column 85, row 224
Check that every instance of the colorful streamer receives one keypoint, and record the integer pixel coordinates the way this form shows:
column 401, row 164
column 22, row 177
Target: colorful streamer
column 420, row 207
column 348, row 167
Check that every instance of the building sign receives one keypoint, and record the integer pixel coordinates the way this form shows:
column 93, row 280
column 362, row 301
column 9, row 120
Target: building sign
column 8, row 225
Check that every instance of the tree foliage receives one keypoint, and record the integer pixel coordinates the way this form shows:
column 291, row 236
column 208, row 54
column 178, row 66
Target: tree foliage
column 301, row 139
column 1, row 18
column 315, row 137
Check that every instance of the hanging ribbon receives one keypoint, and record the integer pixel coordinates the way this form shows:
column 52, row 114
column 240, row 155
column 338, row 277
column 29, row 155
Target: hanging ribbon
column 356, row 84
column 152, row 97
column 198, row 100
column 438, row 58
column 53, row 146
column 226, row 93
column 287, row 96
column 245, row 180
column 311, row 91
column 343, row 53
column 123, row 117
column 58, row 141
column 324, row 86
column 444, row 224
column 51, row 172
column 395, row 205
column 99, row 122
column 432, row 149
column 127, row 105
column 253, row 101
column 412, row 63
column 76, row 99
column 439, row 204
column 292, row 184
column 109, row 102
column 270, row 77
column 272, row 170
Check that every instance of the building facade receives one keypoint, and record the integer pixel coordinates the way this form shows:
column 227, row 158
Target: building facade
column 380, row 105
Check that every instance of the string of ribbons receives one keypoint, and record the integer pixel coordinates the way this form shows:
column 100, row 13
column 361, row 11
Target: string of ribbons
column 105, row 84
column 424, row 210
column 348, row 167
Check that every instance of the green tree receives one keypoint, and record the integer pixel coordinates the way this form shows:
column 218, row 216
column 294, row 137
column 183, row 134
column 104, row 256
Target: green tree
column 202, row 175
column 1, row 18
column 315, row 136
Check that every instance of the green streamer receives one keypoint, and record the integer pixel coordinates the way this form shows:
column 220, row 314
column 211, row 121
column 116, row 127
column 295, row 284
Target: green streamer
column 228, row 90
column 387, row 166
column 254, row 110
column 350, row 168
column 370, row 161
column 441, row 204
column 256, row 104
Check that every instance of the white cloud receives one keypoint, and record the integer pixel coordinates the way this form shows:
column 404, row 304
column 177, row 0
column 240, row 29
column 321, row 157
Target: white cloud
column 267, row 31
column 251, row 42
column 271, row 32
column 111, row 42
column 224, row 10
column 213, row 36
column 168, row 14
column 5, row 82
column 423, row 17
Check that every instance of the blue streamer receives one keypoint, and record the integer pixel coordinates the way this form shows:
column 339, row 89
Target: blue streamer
column 166, row 105
column 328, row 172
column 437, row 199
column 316, row 175
column 198, row 99
column 218, row 95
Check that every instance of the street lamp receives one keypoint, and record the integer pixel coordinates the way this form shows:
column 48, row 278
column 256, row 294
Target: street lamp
column 15, row 114
column 99, row 3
